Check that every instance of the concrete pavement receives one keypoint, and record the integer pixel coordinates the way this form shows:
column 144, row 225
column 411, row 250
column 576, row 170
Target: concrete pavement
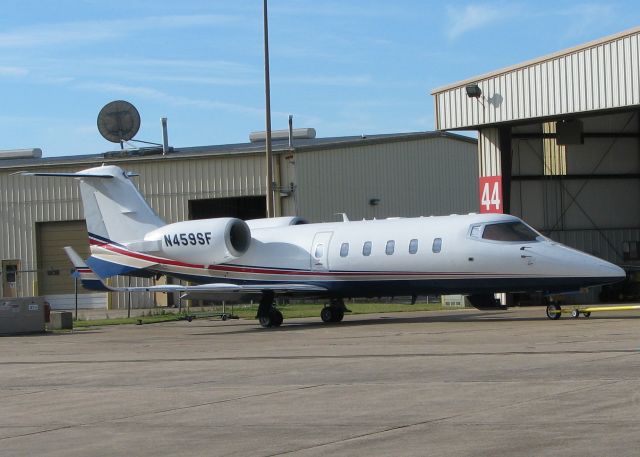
column 461, row 383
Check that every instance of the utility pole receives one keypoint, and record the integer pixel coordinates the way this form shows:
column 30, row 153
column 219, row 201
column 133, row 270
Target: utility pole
column 267, row 93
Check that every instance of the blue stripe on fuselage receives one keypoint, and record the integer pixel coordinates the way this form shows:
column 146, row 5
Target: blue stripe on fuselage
column 106, row 269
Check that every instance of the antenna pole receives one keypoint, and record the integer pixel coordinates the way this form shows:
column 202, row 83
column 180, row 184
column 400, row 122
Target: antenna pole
column 267, row 93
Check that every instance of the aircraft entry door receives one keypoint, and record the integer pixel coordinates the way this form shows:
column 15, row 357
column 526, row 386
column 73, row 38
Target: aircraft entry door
column 320, row 251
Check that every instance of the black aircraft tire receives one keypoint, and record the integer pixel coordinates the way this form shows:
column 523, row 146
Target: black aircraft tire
column 586, row 314
column 338, row 315
column 265, row 321
column 276, row 318
column 553, row 312
column 326, row 314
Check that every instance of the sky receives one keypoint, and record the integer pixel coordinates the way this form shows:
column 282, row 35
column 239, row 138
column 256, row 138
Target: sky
column 347, row 67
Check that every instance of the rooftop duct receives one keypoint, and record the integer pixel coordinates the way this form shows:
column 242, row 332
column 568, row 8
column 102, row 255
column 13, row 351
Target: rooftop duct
column 305, row 133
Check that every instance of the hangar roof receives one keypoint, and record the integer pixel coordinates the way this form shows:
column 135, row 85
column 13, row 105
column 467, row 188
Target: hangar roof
column 279, row 146
column 600, row 75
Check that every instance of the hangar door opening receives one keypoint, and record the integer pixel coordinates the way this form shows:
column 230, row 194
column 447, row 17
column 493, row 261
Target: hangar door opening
column 254, row 207
column 54, row 267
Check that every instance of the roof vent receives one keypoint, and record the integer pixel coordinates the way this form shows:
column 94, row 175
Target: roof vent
column 305, row 133
column 34, row 153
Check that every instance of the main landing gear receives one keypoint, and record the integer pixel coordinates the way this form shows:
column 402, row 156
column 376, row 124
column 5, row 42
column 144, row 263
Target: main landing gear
column 268, row 314
column 334, row 312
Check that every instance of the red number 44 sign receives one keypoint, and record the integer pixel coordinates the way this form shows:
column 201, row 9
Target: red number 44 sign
column 491, row 194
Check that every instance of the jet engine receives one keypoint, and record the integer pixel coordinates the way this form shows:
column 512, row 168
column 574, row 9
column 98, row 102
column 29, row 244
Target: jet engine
column 202, row 242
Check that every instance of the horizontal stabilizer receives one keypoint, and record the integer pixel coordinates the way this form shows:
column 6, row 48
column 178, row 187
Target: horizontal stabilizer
column 88, row 278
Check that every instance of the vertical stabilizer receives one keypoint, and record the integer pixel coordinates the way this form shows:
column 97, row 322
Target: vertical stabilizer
column 113, row 207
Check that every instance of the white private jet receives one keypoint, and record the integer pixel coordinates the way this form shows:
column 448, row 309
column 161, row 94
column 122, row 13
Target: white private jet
column 474, row 254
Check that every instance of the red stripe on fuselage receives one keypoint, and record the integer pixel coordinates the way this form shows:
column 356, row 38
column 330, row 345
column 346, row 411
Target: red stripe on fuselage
column 274, row 271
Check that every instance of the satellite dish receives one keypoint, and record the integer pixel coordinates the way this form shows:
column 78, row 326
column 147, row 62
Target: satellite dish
column 118, row 121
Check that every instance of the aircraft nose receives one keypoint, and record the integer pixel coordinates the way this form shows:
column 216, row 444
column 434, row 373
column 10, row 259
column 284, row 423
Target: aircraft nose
column 610, row 270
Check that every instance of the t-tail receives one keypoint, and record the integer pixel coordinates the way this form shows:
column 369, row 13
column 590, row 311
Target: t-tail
column 117, row 215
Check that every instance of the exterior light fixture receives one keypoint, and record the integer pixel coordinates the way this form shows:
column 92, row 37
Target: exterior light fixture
column 473, row 91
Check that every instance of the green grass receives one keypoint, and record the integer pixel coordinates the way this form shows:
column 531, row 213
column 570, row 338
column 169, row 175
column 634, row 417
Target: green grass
column 313, row 310
column 289, row 311
column 167, row 317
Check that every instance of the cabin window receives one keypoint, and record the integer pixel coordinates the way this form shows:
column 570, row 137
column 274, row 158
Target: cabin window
column 319, row 251
column 509, row 231
column 391, row 246
column 437, row 245
column 413, row 246
column 344, row 250
column 475, row 231
column 366, row 248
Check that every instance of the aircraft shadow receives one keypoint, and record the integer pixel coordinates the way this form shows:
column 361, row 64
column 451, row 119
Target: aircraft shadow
column 367, row 320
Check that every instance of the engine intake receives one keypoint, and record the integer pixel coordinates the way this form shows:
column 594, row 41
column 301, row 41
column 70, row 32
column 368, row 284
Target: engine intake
column 205, row 241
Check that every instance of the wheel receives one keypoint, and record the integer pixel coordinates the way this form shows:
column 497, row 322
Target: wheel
column 265, row 321
column 276, row 317
column 338, row 315
column 326, row 314
column 554, row 312
column 586, row 314
column 224, row 317
column 575, row 313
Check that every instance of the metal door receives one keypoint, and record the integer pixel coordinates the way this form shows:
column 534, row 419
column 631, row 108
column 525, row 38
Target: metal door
column 320, row 251
column 10, row 278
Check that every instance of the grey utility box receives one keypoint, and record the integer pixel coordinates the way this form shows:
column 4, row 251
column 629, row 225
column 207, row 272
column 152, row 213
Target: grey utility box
column 21, row 315
column 61, row 320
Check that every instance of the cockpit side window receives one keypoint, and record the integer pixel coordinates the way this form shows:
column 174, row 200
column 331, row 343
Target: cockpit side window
column 509, row 231
column 475, row 231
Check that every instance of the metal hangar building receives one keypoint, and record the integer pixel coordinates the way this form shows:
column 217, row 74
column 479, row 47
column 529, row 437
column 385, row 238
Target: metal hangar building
column 559, row 143
column 377, row 176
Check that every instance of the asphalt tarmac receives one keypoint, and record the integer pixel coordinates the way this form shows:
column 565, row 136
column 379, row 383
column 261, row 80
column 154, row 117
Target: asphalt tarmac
column 453, row 383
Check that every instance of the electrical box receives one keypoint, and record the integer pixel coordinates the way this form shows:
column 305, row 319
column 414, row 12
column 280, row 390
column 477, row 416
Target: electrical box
column 22, row 315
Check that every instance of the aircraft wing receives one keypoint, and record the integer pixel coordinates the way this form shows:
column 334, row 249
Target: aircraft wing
column 91, row 280
column 224, row 288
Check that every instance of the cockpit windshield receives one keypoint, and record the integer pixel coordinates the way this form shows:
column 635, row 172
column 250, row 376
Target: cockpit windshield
column 509, row 231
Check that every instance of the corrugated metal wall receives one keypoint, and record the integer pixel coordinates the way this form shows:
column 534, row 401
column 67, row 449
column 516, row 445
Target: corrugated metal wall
column 24, row 202
column 489, row 152
column 168, row 184
column 600, row 75
column 411, row 178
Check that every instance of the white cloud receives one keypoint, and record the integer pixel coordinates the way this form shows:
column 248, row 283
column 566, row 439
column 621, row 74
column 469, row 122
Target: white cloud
column 117, row 90
column 476, row 16
column 13, row 71
column 81, row 32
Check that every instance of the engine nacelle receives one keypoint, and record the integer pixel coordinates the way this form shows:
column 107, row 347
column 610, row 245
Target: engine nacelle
column 272, row 222
column 203, row 242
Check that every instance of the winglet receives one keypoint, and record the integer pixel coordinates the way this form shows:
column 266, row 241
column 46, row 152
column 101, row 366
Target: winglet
column 88, row 278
